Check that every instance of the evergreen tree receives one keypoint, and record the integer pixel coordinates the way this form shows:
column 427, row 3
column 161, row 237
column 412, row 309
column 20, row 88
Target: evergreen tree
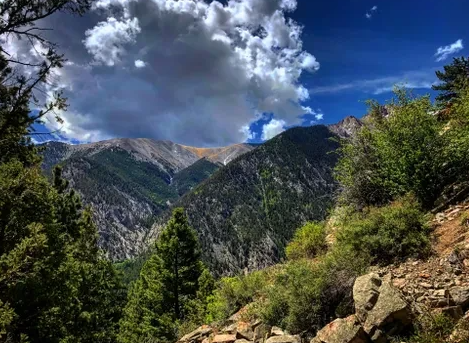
column 453, row 79
column 54, row 285
column 168, row 284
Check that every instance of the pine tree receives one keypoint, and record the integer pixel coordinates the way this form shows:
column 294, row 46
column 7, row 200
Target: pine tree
column 168, row 283
column 54, row 284
column 453, row 79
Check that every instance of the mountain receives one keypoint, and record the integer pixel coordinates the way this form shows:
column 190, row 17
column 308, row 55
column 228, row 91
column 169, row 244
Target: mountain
column 346, row 127
column 247, row 211
column 128, row 182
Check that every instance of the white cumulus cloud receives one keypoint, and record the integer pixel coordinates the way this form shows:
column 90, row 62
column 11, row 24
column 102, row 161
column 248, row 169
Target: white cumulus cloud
column 272, row 129
column 319, row 116
column 106, row 41
column 139, row 64
column 443, row 52
column 211, row 69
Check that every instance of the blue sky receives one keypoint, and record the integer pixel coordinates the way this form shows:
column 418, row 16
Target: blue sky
column 184, row 70
column 359, row 55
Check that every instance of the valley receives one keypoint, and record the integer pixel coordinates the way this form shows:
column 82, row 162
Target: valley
column 129, row 182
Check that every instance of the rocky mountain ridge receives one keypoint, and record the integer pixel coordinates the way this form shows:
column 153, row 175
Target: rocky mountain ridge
column 247, row 211
column 128, row 182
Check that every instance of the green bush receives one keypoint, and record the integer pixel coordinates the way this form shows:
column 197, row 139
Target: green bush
column 232, row 293
column 395, row 154
column 308, row 241
column 433, row 329
column 306, row 294
column 388, row 233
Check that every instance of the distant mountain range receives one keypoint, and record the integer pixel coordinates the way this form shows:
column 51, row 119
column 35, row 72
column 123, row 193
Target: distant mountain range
column 244, row 201
column 246, row 212
column 128, row 182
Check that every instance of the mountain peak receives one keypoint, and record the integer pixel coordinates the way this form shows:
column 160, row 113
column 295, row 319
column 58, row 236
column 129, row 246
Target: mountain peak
column 346, row 127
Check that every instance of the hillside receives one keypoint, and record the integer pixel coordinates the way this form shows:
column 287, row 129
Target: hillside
column 247, row 211
column 128, row 182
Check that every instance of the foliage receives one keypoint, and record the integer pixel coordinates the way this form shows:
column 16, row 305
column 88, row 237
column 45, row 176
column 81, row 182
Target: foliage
column 263, row 196
column 130, row 269
column 23, row 82
column 168, row 283
column 308, row 241
column 306, row 295
column 457, row 132
column 232, row 293
column 197, row 308
column 388, row 233
column 55, row 286
column 453, row 79
column 190, row 177
column 54, row 283
column 432, row 329
column 395, row 154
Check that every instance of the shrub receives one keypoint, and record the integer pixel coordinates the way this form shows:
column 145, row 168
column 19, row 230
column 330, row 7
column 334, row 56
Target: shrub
column 307, row 294
column 308, row 241
column 432, row 329
column 400, row 150
column 464, row 219
column 388, row 233
column 232, row 293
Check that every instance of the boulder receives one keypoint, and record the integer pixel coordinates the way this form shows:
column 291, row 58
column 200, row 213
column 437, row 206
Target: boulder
column 365, row 294
column 261, row 332
column 197, row 334
column 380, row 307
column 460, row 296
column 230, row 329
column 346, row 330
column 284, row 339
column 276, row 331
column 224, row 339
column 244, row 330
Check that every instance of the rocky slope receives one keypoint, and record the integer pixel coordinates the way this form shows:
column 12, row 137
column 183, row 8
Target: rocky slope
column 247, row 211
column 128, row 182
column 388, row 301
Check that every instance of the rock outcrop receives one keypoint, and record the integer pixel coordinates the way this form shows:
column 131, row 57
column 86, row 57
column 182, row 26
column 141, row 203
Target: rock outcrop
column 240, row 332
column 348, row 330
column 380, row 307
column 380, row 310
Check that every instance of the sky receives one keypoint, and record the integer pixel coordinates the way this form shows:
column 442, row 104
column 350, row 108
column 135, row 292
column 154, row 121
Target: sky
column 213, row 73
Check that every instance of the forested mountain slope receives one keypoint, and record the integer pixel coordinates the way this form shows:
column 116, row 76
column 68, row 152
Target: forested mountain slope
column 247, row 211
column 128, row 182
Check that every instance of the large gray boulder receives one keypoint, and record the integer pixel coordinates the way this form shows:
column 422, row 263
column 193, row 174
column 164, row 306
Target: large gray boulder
column 380, row 307
column 197, row 335
column 346, row 330
column 460, row 296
